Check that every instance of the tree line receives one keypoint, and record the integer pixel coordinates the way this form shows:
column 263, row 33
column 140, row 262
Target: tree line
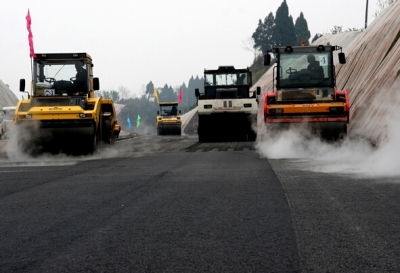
column 142, row 110
column 277, row 30
column 280, row 29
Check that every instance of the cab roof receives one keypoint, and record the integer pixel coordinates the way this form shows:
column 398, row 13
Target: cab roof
column 63, row 56
column 304, row 49
column 226, row 69
column 168, row 103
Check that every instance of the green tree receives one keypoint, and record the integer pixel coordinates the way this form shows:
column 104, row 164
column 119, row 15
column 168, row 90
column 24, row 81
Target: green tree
column 127, row 111
column 192, row 85
column 383, row 4
column 185, row 93
column 354, row 29
column 109, row 94
column 284, row 32
column 188, row 95
column 124, row 93
column 336, row 29
column 167, row 94
column 263, row 35
column 258, row 34
column 115, row 96
column 302, row 32
column 316, row 37
column 149, row 90
column 139, row 106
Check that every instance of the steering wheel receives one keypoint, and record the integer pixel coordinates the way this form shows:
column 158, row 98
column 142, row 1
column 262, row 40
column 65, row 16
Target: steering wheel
column 291, row 71
column 72, row 79
column 50, row 80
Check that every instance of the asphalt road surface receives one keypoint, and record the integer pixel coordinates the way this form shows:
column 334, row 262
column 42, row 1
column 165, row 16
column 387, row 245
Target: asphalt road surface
column 171, row 204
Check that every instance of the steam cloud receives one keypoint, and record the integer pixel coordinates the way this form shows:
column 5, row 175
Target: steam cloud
column 19, row 154
column 351, row 156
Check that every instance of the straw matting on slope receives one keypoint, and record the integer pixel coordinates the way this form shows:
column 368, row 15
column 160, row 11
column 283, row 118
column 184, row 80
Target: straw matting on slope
column 372, row 77
column 189, row 122
column 118, row 107
column 7, row 97
column 371, row 74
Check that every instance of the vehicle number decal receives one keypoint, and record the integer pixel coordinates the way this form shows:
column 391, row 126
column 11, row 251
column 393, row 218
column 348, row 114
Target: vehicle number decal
column 323, row 60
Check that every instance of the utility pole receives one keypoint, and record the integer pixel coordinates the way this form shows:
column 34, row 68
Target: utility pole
column 366, row 15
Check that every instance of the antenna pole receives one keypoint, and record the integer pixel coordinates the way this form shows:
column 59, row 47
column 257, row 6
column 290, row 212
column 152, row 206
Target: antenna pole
column 366, row 15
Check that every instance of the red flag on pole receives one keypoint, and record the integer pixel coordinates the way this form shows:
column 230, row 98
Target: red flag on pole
column 30, row 36
column 180, row 96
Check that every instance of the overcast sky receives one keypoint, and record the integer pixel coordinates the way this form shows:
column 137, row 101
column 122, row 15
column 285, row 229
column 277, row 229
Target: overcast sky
column 163, row 41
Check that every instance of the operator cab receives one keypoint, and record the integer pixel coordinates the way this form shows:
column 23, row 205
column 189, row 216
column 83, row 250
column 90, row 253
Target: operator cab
column 226, row 83
column 168, row 109
column 304, row 73
column 61, row 78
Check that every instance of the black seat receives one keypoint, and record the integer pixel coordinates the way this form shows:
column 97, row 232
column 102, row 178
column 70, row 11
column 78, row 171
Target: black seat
column 62, row 87
column 316, row 70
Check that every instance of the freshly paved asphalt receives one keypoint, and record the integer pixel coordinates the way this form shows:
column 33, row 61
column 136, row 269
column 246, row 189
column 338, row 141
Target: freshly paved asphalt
column 171, row 204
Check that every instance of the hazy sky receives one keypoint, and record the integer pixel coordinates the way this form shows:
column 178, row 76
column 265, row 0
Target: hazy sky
column 165, row 41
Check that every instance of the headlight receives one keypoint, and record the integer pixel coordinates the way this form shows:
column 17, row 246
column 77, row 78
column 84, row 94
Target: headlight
column 28, row 116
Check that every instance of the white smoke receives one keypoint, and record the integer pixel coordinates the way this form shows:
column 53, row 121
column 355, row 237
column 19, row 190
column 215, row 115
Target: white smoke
column 351, row 156
column 14, row 148
column 19, row 154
